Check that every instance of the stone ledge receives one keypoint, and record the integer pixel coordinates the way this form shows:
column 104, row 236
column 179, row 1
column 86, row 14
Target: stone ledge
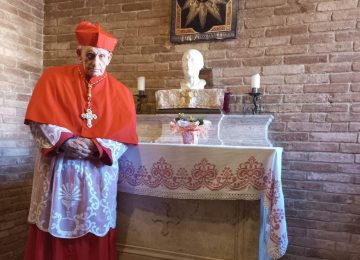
column 192, row 98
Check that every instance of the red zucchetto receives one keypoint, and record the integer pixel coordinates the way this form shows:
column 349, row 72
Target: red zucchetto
column 89, row 34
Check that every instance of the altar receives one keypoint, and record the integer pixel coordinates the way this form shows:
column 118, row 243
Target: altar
column 208, row 201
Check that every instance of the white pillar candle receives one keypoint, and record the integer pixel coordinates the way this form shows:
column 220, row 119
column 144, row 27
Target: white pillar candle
column 141, row 83
column 255, row 81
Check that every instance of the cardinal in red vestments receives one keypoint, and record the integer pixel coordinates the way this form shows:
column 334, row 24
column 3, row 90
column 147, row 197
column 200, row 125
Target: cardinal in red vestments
column 82, row 120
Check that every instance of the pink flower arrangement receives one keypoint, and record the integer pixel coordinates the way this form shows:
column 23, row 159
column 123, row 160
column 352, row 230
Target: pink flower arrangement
column 190, row 128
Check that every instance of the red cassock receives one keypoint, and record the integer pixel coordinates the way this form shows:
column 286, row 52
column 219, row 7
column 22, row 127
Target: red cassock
column 42, row 246
column 59, row 98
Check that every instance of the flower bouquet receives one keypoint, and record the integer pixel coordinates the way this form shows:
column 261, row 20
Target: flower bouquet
column 190, row 128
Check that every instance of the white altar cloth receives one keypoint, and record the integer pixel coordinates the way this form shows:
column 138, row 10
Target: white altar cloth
column 213, row 172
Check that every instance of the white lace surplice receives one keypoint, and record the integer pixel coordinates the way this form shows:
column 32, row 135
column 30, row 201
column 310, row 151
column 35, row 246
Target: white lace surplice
column 73, row 197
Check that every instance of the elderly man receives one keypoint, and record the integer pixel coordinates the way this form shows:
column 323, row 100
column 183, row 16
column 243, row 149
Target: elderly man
column 82, row 119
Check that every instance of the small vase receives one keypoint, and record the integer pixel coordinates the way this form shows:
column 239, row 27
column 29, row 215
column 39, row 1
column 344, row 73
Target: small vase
column 190, row 136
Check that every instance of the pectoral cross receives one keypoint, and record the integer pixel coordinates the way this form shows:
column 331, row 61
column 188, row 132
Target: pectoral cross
column 89, row 116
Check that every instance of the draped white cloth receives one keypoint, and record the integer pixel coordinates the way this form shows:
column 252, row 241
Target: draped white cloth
column 73, row 197
column 213, row 172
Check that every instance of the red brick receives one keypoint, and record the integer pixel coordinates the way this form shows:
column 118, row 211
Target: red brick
column 343, row 117
column 333, row 157
column 235, row 72
column 337, row 5
column 295, row 156
column 316, row 108
column 326, row 88
column 326, row 68
column 283, row 108
column 355, row 108
column 357, row 46
column 344, row 57
column 314, row 146
column 154, row 49
column 342, row 188
column 284, row 31
column 295, row 9
column 283, row 69
column 138, row 41
column 283, row 50
column 252, row 33
column 242, row 44
column 332, row 177
column 258, row 12
column 262, row 61
column 273, row 41
column 312, row 38
column 272, row 79
column 356, row 66
column 222, row 63
column 264, row 3
column 345, row 77
column 331, row 47
column 244, row 53
column 339, row 127
column 350, row 148
column 328, row 254
column 288, row 136
column 333, row 137
column 284, row 89
column 347, row 97
column 147, row 58
column 347, row 36
column 264, row 22
column 308, row 18
column 354, row 127
column 305, row 59
column 346, row 14
column 136, row 7
column 153, row 31
column 293, row 117
column 318, row 117
column 306, row 98
column 315, row 205
column 307, row 79
column 313, row 243
column 332, row 198
column 349, row 168
column 304, row 185
column 306, row 127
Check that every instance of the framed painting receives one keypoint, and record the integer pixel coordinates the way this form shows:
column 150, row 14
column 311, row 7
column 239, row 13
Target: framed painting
column 203, row 20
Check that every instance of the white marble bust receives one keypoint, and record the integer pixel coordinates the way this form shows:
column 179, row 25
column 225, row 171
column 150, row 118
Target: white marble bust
column 192, row 63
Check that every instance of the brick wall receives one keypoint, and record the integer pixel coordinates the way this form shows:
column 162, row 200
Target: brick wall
column 308, row 53
column 21, row 26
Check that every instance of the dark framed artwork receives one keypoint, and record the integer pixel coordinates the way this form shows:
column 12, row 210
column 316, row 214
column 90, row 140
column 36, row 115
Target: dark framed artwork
column 202, row 20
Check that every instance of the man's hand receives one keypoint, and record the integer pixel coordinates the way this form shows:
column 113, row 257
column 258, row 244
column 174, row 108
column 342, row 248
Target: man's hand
column 79, row 148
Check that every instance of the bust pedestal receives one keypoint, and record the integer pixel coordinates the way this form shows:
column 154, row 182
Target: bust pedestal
column 190, row 98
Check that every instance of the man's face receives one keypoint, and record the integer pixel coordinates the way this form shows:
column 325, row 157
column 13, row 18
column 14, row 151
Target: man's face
column 192, row 64
column 94, row 60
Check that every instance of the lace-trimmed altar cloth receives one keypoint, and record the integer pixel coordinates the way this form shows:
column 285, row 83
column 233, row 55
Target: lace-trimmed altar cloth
column 213, row 172
column 73, row 197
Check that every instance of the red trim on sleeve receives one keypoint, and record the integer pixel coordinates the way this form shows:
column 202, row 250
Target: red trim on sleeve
column 105, row 154
column 99, row 147
column 56, row 148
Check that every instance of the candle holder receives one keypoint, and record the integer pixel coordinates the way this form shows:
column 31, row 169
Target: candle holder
column 255, row 106
column 139, row 101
